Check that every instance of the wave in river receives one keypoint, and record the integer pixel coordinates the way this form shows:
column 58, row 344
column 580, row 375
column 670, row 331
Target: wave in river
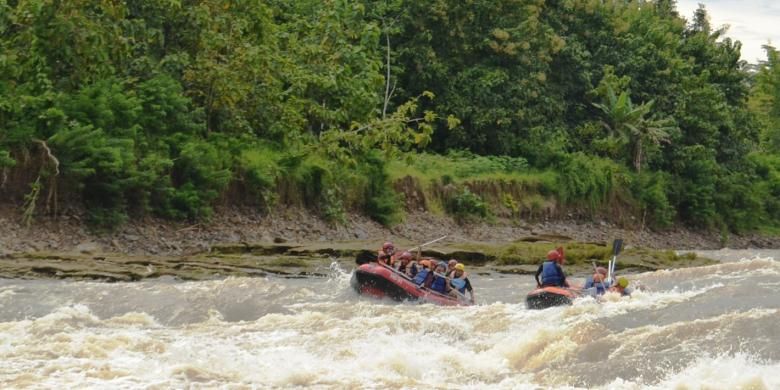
column 712, row 327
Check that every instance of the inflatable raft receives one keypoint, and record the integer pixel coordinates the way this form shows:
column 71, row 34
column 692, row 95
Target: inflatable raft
column 549, row 296
column 380, row 281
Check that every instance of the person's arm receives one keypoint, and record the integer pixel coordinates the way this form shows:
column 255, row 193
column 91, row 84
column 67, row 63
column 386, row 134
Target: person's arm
column 563, row 275
column 470, row 290
column 538, row 272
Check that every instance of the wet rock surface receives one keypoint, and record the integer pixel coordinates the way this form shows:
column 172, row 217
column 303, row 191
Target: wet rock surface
column 300, row 260
column 293, row 242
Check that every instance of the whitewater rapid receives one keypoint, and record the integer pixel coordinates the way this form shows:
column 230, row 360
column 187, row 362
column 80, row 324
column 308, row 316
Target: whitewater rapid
column 714, row 327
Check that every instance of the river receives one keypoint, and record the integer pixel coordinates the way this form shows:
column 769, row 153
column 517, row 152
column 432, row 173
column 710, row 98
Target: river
column 715, row 327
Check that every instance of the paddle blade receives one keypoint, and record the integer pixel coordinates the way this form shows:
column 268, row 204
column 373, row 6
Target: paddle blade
column 617, row 246
column 365, row 257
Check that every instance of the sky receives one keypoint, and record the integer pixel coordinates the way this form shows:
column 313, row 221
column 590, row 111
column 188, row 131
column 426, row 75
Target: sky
column 752, row 22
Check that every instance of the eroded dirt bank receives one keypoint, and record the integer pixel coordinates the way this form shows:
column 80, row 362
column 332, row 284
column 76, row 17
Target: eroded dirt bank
column 295, row 244
column 158, row 237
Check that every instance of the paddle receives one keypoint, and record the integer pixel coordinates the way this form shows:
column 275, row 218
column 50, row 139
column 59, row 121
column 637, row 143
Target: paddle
column 593, row 290
column 365, row 257
column 419, row 247
column 617, row 246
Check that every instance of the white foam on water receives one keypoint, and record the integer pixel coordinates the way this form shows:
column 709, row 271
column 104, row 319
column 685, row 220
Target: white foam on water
column 738, row 371
column 763, row 265
column 499, row 346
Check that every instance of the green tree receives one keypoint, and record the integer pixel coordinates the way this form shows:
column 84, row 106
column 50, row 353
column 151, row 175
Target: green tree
column 632, row 125
column 765, row 99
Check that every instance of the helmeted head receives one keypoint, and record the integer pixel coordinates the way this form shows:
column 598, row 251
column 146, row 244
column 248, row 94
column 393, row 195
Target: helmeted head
column 460, row 269
column 405, row 257
column 622, row 282
column 598, row 278
column 554, row 255
column 388, row 248
column 425, row 263
column 441, row 266
column 601, row 270
column 452, row 263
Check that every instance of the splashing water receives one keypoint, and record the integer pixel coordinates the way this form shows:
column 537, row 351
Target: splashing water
column 707, row 327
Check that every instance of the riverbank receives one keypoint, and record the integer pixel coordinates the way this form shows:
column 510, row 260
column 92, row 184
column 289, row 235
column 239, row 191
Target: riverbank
column 294, row 244
column 151, row 236
column 319, row 259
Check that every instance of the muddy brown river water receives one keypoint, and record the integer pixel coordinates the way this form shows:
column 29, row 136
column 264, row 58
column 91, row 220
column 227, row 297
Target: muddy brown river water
column 714, row 327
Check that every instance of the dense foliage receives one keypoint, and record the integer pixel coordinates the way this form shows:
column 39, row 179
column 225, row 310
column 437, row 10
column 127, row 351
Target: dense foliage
column 622, row 109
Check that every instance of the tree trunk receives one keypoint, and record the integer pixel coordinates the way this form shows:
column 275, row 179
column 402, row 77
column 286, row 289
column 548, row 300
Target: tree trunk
column 638, row 156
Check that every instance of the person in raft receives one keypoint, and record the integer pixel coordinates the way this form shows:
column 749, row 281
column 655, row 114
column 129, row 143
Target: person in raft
column 621, row 287
column 439, row 283
column 451, row 267
column 386, row 255
column 405, row 265
column 551, row 271
column 423, row 272
column 460, row 282
column 597, row 282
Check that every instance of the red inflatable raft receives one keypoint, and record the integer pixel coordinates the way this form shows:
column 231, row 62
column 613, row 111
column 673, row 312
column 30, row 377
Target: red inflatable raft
column 380, row 281
column 549, row 296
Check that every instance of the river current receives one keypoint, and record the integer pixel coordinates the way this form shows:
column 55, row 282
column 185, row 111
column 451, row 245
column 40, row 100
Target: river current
column 713, row 327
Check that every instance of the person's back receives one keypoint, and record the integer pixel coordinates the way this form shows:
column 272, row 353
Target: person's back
column 551, row 272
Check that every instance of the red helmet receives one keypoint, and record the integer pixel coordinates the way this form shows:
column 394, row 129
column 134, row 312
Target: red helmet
column 388, row 248
column 405, row 256
column 601, row 270
column 554, row 255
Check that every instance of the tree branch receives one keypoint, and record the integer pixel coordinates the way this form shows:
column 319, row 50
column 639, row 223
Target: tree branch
column 49, row 155
column 369, row 126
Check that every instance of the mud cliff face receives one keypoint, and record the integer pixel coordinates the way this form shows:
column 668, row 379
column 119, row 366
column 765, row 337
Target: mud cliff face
column 154, row 236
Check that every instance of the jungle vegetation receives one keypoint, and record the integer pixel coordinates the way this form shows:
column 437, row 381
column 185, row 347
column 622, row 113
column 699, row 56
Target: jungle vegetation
column 624, row 110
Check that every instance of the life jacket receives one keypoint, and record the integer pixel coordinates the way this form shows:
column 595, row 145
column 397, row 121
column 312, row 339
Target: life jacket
column 550, row 274
column 459, row 284
column 412, row 270
column 588, row 283
column 419, row 279
column 439, row 284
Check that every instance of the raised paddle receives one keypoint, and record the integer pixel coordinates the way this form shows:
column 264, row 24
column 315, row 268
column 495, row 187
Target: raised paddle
column 617, row 246
column 419, row 247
